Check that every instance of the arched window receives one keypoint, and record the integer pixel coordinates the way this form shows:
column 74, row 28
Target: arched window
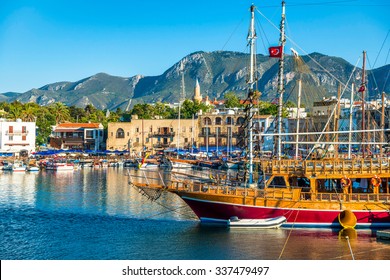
column 207, row 121
column 229, row 120
column 240, row 121
column 120, row 133
column 218, row 121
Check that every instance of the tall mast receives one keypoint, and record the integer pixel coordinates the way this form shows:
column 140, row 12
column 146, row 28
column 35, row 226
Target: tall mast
column 251, row 83
column 180, row 98
column 362, row 89
column 282, row 41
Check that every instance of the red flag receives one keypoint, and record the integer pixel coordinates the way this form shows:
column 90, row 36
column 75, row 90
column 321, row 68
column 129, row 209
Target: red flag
column 275, row 51
column 362, row 88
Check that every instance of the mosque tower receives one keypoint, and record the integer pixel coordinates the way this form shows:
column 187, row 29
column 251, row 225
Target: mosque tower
column 197, row 96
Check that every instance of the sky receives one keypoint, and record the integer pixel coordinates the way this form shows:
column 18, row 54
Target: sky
column 46, row 41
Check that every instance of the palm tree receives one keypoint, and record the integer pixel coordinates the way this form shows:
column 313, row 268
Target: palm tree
column 29, row 113
column 60, row 111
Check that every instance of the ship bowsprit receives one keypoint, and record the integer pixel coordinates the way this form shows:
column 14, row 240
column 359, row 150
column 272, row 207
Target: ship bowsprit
column 152, row 194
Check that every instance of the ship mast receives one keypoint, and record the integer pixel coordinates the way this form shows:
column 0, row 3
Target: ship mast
column 362, row 89
column 282, row 41
column 180, row 99
column 251, row 84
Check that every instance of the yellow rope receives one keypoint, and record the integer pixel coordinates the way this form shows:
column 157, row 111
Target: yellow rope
column 288, row 237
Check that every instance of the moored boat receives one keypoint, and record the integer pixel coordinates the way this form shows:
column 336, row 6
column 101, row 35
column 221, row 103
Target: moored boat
column 320, row 190
column 59, row 166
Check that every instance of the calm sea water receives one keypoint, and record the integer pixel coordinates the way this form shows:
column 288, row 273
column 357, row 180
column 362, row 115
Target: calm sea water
column 92, row 214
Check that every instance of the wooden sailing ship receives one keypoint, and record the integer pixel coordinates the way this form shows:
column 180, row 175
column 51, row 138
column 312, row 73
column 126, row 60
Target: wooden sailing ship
column 341, row 190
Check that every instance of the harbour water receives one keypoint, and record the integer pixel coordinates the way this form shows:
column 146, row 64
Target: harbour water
column 93, row 214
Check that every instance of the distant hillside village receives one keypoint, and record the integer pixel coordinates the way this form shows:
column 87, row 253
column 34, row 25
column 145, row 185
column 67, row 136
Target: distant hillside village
column 215, row 128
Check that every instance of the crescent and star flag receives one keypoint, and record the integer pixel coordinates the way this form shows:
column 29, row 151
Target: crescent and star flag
column 275, row 51
column 362, row 88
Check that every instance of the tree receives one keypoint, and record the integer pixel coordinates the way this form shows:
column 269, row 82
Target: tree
column 29, row 112
column 142, row 110
column 163, row 111
column 77, row 114
column 232, row 100
column 60, row 112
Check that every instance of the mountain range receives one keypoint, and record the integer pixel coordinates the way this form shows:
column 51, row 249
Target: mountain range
column 218, row 73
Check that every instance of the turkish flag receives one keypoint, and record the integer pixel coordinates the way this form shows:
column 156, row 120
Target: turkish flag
column 275, row 51
column 362, row 88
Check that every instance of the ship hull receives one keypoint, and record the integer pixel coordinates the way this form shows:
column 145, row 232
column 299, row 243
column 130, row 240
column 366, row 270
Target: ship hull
column 295, row 217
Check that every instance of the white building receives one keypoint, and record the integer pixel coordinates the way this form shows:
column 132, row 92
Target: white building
column 17, row 136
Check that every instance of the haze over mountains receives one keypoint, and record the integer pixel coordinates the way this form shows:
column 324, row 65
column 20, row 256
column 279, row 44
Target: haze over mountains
column 218, row 73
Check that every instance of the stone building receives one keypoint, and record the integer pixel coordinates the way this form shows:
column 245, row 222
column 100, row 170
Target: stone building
column 140, row 135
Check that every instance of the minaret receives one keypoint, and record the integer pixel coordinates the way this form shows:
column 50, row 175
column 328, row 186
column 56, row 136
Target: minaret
column 197, row 96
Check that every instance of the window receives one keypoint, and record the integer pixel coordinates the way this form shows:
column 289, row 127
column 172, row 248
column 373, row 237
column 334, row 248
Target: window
column 128, row 134
column 137, row 129
column 11, row 129
column 207, row 121
column 229, row 120
column 218, row 121
column 24, row 129
column 240, row 121
column 120, row 133
column 11, row 138
column 147, row 140
column 89, row 134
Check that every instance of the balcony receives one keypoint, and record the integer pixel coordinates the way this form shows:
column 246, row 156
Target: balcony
column 17, row 132
column 162, row 134
column 221, row 135
column 161, row 145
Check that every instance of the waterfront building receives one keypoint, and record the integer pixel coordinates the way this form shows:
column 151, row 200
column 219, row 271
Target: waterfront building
column 151, row 135
column 223, row 129
column 17, row 137
column 78, row 136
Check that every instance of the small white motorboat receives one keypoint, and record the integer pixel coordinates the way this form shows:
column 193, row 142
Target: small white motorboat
column 32, row 168
column 235, row 222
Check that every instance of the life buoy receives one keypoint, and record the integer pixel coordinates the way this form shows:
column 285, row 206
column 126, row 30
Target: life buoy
column 376, row 181
column 345, row 182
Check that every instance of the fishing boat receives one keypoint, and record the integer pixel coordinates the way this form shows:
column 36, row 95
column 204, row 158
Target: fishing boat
column 317, row 190
column 18, row 166
column 59, row 166
column 179, row 163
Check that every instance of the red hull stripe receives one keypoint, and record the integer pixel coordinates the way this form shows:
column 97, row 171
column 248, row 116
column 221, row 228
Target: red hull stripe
column 296, row 217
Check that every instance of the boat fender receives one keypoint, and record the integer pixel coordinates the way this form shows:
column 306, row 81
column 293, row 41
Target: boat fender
column 376, row 181
column 347, row 219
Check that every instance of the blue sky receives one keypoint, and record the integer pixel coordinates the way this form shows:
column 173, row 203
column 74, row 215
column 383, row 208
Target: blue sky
column 46, row 41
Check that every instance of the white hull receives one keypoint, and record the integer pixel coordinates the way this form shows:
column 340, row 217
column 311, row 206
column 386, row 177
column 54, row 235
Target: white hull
column 234, row 222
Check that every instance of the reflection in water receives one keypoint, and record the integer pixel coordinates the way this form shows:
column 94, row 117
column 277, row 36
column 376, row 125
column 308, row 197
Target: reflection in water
column 95, row 214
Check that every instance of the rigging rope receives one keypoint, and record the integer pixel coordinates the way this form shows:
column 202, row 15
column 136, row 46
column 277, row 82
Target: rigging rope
column 289, row 234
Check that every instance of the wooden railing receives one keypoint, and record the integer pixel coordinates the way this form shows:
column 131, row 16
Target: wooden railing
column 326, row 167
